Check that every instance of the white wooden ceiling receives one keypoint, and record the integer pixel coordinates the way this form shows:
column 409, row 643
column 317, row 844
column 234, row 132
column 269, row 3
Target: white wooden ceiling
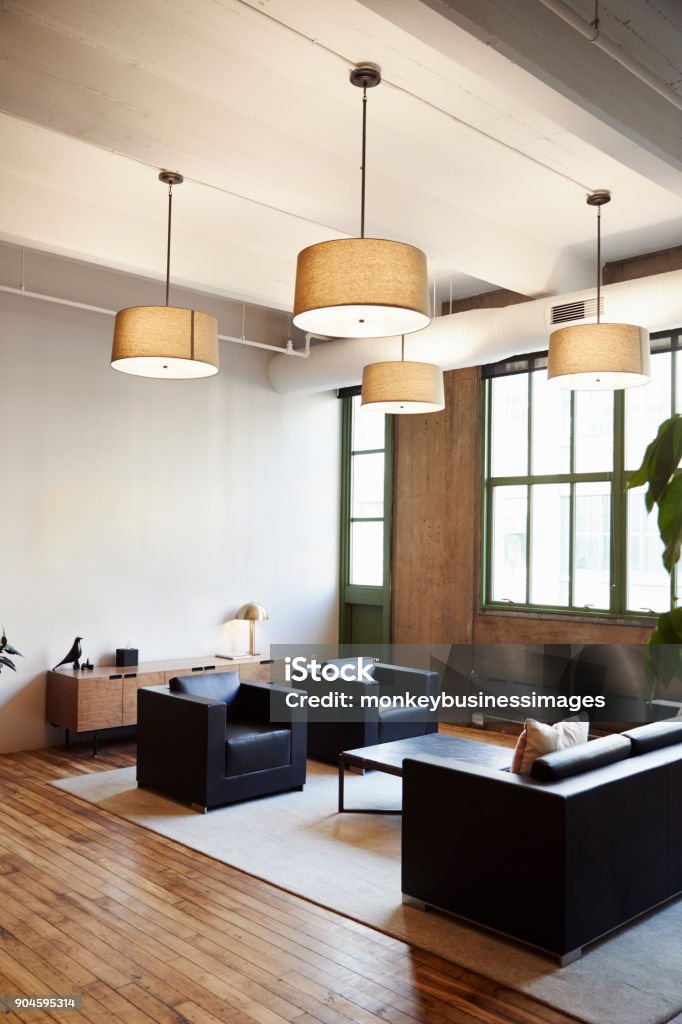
column 474, row 155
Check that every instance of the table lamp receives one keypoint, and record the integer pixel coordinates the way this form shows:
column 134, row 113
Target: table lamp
column 253, row 613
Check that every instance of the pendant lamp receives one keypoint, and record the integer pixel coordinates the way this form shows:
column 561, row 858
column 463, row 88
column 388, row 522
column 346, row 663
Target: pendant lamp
column 165, row 341
column 361, row 287
column 403, row 387
column 601, row 356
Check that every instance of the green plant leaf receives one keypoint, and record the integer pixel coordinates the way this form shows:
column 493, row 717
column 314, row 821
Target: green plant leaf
column 660, row 461
column 7, row 662
column 668, row 628
column 670, row 521
column 8, row 649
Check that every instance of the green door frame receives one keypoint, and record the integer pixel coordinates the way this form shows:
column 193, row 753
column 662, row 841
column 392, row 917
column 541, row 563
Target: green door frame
column 351, row 595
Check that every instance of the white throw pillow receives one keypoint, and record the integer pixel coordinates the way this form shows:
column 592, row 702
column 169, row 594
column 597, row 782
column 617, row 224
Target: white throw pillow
column 538, row 738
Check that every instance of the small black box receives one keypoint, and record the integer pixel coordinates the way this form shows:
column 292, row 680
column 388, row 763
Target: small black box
column 126, row 656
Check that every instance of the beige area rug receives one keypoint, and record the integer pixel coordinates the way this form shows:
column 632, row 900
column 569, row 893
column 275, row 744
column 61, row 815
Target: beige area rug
column 350, row 863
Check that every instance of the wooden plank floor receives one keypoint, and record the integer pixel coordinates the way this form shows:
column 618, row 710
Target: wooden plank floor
column 148, row 930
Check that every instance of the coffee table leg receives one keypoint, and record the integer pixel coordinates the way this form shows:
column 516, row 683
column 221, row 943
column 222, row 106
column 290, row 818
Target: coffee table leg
column 356, row 810
column 341, row 782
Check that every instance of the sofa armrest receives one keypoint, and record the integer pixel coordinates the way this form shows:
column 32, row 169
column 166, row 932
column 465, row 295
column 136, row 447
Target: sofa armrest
column 180, row 743
column 395, row 680
column 478, row 842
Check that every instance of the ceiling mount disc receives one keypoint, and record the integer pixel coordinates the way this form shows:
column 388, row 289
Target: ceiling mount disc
column 599, row 198
column 171, row 178
column 365, row 75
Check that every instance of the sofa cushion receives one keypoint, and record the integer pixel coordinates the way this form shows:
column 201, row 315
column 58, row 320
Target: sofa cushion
column 654, row 736
column 255, row 747
column 400, row 724
column 583, row 758
column 215, row 685
column 539, row 738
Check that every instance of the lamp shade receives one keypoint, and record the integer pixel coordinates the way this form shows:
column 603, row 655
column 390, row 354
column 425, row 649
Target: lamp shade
column 403, row 387
column 253, row 612
column 361, row 288
column 165, row 341
column 598, row 357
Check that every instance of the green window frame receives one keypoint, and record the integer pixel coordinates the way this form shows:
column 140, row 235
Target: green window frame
column 356, row 596
column 628, row 543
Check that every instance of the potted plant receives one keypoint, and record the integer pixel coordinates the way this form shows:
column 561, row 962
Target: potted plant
column 661, row 473
column 5, row 650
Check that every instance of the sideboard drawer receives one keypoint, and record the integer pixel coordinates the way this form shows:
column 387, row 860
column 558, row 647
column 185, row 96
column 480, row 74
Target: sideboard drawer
column 98, row 704
column 131, row 684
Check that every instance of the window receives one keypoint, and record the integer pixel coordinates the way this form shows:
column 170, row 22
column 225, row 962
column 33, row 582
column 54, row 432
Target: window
column 367, row 456
column 560, row 530
column 366, row 515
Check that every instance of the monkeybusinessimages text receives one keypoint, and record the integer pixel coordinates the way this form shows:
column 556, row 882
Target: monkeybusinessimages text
column 298, row 670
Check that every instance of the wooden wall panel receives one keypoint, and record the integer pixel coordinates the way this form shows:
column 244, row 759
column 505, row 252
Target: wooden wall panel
column 436, row 542
column 435, row 524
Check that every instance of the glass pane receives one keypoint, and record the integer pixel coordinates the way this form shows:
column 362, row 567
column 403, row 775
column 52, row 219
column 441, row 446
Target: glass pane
column 367, row 490
column 551, row 439
column 508, row 576
column 509, row 426
column 645, row 410
column 367, row 554
column 592, row 545
column 369, row 427
column 593, row 431
column 648, row 582
column 551, row 508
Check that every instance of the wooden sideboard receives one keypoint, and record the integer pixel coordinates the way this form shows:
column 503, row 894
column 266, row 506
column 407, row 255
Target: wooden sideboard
column 91, row 700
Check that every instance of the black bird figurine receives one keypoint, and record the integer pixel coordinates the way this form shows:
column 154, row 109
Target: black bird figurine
column 73, row 657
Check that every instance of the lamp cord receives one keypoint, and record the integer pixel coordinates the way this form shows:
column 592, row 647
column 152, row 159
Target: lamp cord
column 168, row 243
column 364, row 155
column 599, row 264
column 402, row 348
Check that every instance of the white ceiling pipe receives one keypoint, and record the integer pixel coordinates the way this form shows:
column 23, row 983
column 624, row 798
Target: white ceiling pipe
column 289, row 350
column 478, row 336
column 626, row 60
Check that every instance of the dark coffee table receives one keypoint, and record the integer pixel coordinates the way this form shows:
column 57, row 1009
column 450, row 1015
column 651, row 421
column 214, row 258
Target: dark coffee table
column 389, row 757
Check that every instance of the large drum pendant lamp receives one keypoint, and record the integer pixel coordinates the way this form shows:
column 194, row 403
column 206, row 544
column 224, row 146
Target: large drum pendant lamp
column 165, row 341
column 601, row 356
column 403, row 387
column 361, row 287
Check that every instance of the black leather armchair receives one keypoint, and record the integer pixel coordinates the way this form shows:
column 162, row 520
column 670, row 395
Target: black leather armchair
column 207, row 740
column 330, row 734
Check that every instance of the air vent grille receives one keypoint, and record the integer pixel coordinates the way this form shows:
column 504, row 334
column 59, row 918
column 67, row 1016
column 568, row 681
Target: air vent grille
column 581, row 309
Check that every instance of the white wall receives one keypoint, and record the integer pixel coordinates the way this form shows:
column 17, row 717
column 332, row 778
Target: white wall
column 151, row 509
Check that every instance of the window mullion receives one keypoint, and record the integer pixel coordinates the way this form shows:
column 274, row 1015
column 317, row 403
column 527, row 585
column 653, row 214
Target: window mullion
column 529, row 511
column 619, row 540
column 486, row 525
column 571, row 504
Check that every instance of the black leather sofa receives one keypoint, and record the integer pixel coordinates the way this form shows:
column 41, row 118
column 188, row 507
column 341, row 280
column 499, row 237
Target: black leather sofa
column 591, row 840
column 207, row 740
column 331, row 732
